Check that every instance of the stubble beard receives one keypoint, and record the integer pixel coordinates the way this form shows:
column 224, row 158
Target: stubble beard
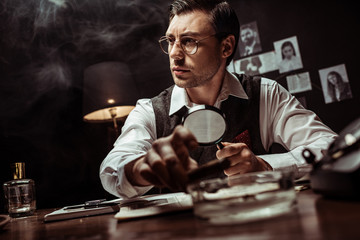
column 199, row 79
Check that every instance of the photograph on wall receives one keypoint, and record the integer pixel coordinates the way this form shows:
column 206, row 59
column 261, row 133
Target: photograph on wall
column 299, row 82
column 288, row 54
column 335, row 83
column 249, row 41
column 249, row 66
column 257, row 64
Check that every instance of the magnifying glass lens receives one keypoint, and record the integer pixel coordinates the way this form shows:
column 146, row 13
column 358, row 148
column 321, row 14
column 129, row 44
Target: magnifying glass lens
column 207, row 124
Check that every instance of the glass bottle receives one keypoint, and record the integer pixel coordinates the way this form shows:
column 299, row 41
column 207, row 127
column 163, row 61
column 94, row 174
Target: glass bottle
column 20, row 193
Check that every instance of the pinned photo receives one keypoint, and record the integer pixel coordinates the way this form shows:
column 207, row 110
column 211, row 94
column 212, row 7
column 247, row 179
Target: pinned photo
column 335, row 83
column 255, row 65
column 288, row 54
column 299, row 82
column 249, row 42
column 250, row 66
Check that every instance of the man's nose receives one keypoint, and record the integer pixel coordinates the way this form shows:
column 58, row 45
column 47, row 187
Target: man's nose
column 176, row 51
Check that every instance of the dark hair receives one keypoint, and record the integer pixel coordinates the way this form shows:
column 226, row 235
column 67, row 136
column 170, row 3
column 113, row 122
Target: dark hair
column 340, row 84
column 247, row 26
column 337, row 75
column 287, row 44
column 222, row 15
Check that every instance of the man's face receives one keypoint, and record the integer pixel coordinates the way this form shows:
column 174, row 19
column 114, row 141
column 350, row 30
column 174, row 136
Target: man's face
column 247, row 36
column 198, row 69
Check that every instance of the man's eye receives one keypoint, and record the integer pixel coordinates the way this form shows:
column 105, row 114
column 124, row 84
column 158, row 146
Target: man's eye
column 170, row 40
column 187, row 41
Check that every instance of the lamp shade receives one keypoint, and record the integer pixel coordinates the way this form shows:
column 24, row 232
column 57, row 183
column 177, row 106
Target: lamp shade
column 109, row 90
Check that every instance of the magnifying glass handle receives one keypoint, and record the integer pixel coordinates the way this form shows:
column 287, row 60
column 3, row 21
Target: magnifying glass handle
column 212, row 167
column 220, row 145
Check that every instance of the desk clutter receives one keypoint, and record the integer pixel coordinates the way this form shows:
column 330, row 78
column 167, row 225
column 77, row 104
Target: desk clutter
column 244, row 198
column 337, row 174
column 138, row 207
column 239, row 199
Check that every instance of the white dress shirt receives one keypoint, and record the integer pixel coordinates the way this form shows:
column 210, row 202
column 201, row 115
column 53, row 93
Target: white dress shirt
column 282, row 120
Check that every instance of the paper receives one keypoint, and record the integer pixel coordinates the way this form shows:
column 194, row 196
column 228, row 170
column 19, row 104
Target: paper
column 70, row 212
column 142, row 206
column 153, row 205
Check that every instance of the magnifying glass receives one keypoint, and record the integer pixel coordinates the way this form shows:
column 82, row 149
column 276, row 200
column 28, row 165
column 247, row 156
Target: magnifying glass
column 207, row 123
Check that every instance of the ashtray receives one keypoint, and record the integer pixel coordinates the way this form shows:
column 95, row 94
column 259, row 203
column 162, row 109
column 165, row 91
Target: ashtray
column 244, row 198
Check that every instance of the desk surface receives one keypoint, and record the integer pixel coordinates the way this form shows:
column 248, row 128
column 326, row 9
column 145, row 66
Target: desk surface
column 316, row 218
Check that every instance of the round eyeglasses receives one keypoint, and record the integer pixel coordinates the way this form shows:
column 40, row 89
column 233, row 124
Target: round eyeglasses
column 188, row 44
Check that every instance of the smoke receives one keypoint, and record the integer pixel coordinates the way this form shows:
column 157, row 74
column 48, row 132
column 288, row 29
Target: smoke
column 125, row 30
column 56, row 74
column 46, row 44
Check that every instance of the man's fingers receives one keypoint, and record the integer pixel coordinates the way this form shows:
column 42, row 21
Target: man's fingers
column 166, row 152
column 166, row 163
column 183, row 155
column 182, row 135
column 183, row 141
column 157, row 166
column 178, row 174
column 242, row 159
column 192, row 164
column 242, row 167
column 148, row 175
column 233, row 149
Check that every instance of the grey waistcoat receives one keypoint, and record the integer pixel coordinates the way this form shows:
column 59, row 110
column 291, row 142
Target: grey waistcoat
column 240, row 114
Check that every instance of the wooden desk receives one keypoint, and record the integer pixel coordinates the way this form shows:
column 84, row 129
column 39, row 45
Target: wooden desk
column 316, row 218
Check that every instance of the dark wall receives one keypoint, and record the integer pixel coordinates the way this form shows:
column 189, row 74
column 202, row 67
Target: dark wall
column 45, row 47
column 325, row 32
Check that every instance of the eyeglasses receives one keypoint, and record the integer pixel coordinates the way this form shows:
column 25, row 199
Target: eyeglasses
column 188, row 44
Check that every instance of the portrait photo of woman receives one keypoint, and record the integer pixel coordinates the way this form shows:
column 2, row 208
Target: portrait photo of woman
column 288, row 55
column 336, row 87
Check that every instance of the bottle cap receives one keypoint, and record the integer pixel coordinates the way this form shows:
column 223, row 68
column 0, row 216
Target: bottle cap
column 18, row 170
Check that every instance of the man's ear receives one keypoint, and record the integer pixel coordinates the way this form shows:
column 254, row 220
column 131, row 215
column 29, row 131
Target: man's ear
column 228, row 46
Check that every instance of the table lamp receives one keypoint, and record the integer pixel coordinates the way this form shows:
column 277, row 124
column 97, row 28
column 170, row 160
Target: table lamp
column 109, row 93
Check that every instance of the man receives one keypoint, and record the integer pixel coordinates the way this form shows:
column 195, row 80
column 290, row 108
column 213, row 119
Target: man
column 154, row 150
column 249, row 45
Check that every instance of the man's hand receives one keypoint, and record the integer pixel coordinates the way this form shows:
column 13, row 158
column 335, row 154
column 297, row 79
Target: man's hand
column 166, row 164
column 242, row 159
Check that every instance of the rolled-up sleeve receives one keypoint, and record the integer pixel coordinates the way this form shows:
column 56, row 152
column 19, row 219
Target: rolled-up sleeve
column 285, row 121
column 137, row 135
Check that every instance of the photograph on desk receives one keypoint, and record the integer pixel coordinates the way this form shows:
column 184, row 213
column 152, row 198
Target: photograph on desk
column 335, row 84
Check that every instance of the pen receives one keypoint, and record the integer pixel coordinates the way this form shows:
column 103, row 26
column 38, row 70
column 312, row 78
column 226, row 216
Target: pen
column 94, row 204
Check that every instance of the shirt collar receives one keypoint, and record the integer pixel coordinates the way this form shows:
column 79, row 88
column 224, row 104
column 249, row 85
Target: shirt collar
column 231, row 86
